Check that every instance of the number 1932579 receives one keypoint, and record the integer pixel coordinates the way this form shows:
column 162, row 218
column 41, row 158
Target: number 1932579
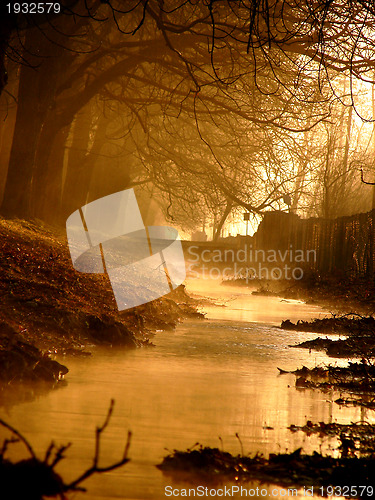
column 34, row 8
column 347, row 491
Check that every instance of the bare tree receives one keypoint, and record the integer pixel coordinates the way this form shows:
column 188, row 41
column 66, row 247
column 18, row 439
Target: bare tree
column 257, row 62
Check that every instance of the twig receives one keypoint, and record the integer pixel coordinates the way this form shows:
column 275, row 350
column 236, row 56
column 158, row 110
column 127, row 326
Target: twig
column 50, row 482
column 19, row 435
column 59, row 455
column 239, row 439
column 95, row 468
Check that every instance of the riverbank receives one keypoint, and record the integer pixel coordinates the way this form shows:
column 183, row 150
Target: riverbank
column 338, row 294
column 47, row 308
column 349, row 458
column 205, row 379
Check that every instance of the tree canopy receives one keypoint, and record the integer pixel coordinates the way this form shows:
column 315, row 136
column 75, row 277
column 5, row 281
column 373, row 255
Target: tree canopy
column 212, row 101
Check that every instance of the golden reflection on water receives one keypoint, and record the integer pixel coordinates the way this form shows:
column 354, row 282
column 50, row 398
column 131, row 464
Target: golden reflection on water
column 210, row 378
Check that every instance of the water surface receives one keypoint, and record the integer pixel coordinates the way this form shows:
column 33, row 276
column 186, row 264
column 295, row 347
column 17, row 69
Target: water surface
column 206, row 379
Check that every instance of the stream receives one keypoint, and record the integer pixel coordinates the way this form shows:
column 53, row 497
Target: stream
column 208, row 378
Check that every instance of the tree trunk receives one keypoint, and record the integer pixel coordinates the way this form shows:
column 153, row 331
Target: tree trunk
column 35, row 97
column 373, row 137
column 82, row 161
column 346, row 155
column 327, row 182
column 300, row 176
column 222, row 220
column 75, row 184
column 6, row 136
column 47, row 181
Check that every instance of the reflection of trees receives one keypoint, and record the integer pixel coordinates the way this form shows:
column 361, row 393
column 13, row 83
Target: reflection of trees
column 218, row 91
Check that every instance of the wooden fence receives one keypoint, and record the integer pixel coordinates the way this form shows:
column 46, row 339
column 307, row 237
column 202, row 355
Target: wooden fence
column 343, row 246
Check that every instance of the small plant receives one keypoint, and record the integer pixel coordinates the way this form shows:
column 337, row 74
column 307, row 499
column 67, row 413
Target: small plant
column 34, row 478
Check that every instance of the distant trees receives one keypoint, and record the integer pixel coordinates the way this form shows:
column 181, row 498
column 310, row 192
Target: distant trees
column 338, row 149
column 220, row 165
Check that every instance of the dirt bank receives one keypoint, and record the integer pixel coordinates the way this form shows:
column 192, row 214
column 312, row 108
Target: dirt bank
column 47, row 308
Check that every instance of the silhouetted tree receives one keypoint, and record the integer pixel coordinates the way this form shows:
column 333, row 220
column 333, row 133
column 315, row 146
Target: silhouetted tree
column 256, row 61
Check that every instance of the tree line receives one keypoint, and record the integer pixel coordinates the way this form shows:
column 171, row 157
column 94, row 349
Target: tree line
column 209, row 108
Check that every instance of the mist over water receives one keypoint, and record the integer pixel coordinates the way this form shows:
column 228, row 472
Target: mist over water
column 208, row 378
column 246, row 129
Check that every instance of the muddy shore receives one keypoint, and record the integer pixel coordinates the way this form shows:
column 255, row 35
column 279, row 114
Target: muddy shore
column 337, row 294
column 47, row 308
column 352, row 459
